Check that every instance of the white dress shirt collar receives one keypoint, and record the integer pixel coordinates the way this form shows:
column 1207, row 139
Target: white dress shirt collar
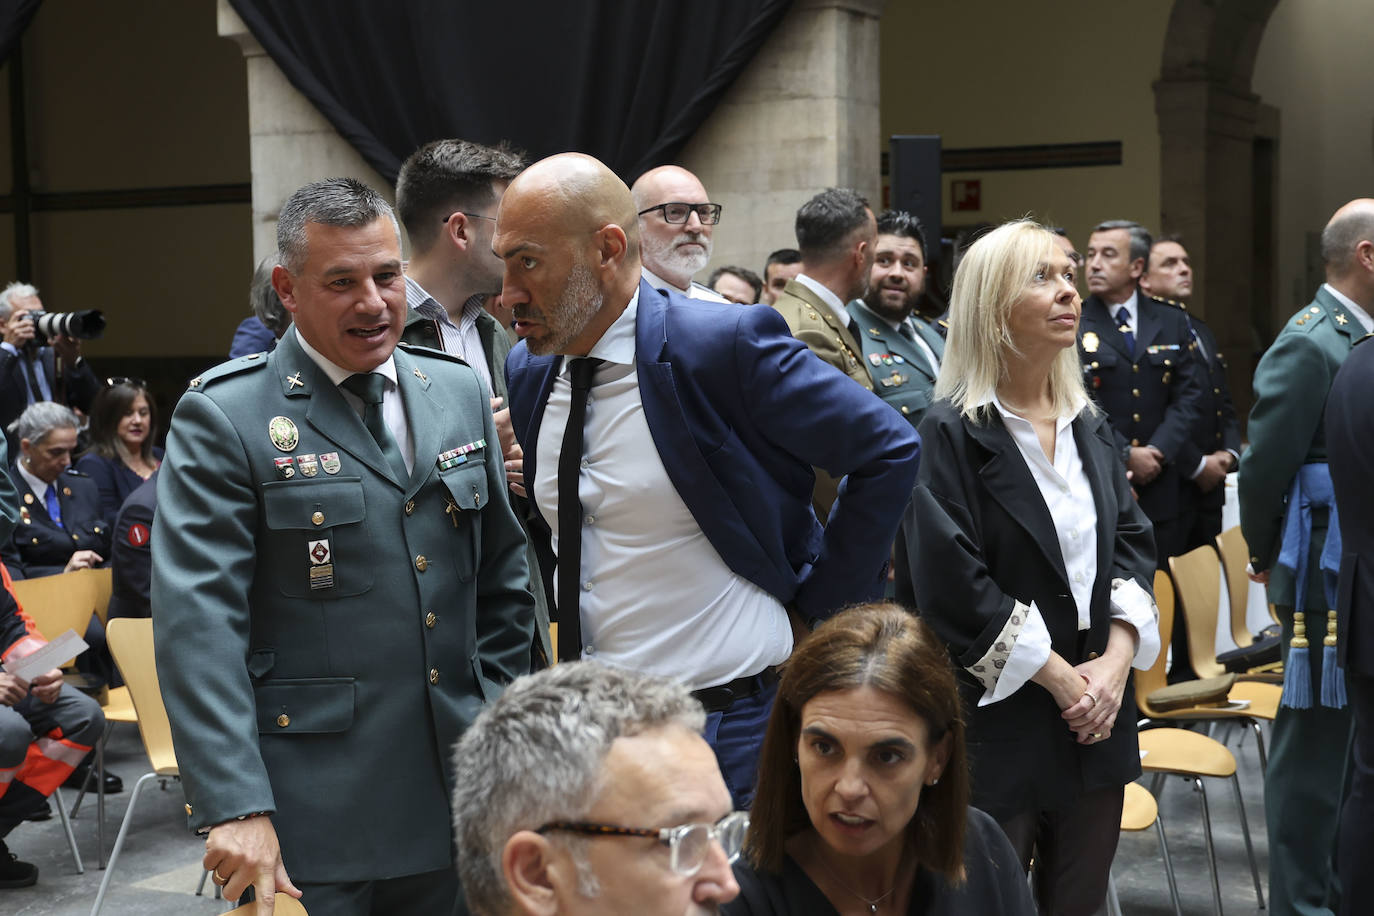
column 1360, row 314
column 337, row 373
column 1132, row 306
column 826, row 296
column 39, row 487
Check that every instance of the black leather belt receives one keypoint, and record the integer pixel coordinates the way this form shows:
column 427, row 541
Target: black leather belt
column 722, row 697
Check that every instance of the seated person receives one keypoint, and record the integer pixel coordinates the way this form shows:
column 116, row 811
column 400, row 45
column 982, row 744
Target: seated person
column 589, row 789
column 60, row 525
column 260, row 331
column 121, row 454
column 132, row 563
column 30, row 373
column 863, row 784
column 68, row 720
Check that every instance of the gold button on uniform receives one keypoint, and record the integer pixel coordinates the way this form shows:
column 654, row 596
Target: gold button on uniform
column 906, row 409
column 283, row 720
column 421, row 563
column 431, row 620
column 1135, row 417
column 434, row 675
column 410, row 506
column 317, row 518
column 1134, row 367
column 188, row 810
column 1135, row 392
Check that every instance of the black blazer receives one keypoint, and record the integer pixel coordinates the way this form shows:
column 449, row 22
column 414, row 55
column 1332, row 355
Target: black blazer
column 1350, row 453
column 76, row 387
column 1151, row 398
column 1217, row 427
column 979, row 539
column 38, row 547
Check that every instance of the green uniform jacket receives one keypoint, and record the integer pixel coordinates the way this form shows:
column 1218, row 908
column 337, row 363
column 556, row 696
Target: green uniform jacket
column 813, row 323
column 424, row 332
column 324, row 636
column 1286, row 432
column 901, row 371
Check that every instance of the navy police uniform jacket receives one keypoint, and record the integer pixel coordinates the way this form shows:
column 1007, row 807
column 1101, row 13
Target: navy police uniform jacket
column 38, row 546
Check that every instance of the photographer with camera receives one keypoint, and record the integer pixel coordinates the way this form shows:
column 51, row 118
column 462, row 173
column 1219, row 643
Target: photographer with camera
column 40, row 354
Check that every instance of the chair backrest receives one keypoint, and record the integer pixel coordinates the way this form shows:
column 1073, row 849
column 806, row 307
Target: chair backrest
column 58, row 603
column 282, row 905
column 1234, row 558
column 102, row 583
column 1197, row 576
column 1139, row 810
column 131, row 644
column 1153, row 678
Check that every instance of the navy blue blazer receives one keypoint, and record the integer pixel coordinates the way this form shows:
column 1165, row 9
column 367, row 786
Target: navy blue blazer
column 740, row 412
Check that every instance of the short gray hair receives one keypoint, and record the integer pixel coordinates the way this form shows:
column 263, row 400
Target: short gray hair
column 343, row 202
column 535, row 755
column 1141, row 242
column 41, row 418
column 14, row 291
column 1342, row 236
column 264, row 299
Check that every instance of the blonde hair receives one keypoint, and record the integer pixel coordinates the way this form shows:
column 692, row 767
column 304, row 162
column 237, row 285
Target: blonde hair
column 990, row 280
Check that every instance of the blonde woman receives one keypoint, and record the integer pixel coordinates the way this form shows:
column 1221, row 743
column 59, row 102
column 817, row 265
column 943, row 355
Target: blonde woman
column 1027, row 554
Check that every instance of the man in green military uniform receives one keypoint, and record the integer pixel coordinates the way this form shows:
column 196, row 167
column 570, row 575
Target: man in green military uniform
column 901, row 352
column 1310, row 746
column 338, row 582
column 446, row 195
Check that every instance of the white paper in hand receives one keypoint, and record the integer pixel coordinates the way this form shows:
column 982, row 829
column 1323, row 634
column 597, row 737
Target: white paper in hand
column 48, row 657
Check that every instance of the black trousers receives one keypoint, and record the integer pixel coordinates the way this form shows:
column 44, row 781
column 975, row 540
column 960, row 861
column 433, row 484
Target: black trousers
column 1073, row 850
column 435, row 892
column 1356, row 849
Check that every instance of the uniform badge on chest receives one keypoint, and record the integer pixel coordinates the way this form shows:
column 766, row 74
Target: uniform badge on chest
column 283, row 433
column 321, row 563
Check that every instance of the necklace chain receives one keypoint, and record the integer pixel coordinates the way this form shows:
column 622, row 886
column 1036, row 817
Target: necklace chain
column 873, row 903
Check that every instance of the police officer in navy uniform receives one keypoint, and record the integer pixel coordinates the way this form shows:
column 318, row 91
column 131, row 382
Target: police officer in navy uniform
column 131, row 563
column 1215, row 447
column 902, row 352
column 1139, row 365
column 338, row 582
column 60, row 528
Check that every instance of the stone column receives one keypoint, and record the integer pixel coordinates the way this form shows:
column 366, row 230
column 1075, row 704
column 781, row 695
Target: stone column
column 1207, row 136
column 802, row 117
column 291, row 143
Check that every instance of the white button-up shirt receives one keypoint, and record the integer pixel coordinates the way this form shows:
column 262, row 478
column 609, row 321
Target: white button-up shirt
column 655, row 595
column 462, row 339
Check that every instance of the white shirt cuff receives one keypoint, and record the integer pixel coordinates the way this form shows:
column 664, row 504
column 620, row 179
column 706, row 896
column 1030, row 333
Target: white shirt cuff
column 1198, row 470
column 1027, row 656
column 10, row 348
column 1134, row 605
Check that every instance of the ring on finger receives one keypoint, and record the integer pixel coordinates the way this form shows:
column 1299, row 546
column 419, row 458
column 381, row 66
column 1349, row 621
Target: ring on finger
column 1089, row 693
column 219, row 879
column 1097, row 735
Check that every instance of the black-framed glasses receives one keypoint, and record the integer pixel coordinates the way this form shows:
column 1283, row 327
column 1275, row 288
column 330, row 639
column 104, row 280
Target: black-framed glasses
column 688, row 845
column 678, row 212
column 123, row 380
column 473, row 215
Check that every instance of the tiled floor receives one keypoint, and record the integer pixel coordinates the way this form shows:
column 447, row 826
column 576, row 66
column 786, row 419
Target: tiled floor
column 159, row 868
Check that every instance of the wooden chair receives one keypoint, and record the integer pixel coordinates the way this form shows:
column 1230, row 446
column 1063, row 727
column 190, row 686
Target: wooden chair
column 1140, row 812
column 282, row 906
column 1179, row 752
column 58, row 603
column 131, row 644
column 1147, row 682
column 103, row 585
column 1234, row 555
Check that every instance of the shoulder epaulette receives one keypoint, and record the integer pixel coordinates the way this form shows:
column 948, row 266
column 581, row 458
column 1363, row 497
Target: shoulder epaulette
column 1309, row 317
column 418, row 350
column 76, row 473
column 225, row 370
column 1361, row 340
column 1169, row 302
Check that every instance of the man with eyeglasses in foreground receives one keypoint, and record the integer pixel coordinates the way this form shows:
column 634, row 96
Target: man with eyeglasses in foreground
column 676, row 220
column 618, row 805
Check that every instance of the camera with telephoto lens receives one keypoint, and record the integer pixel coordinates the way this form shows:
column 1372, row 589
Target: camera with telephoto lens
column 84, row 325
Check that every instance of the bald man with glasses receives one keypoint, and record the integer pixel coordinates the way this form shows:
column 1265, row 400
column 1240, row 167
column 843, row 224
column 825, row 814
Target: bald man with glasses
column 676, row 220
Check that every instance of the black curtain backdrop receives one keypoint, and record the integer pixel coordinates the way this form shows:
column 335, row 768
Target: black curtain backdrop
column 628, row 81
column 15, row 17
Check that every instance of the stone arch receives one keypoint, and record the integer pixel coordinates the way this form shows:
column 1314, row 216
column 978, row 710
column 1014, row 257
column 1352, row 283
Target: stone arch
column 1207, row 130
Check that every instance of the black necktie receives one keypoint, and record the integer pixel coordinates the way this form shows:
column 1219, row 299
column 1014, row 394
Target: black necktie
column 370, row 386
column 907, row 331
column 570, row 513
column 1123, row 320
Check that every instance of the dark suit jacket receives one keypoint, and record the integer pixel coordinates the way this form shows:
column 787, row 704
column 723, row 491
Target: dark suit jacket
column 740, row 412
column 1350, row 453
column 980, row 539
column 1153, row 398
column 333, row 696
column 76, row 387
column 38, row 547
column 131, row 558
column 1217, row 427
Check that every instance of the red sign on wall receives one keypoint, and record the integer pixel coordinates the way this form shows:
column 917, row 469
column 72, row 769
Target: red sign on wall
column 966, row 195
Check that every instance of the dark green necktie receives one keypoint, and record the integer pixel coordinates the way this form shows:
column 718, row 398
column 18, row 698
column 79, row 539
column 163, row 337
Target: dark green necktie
column 370, row 386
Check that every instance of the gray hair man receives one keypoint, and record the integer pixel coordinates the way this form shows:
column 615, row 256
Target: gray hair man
column 589, row 789
column 676, row 219
column 33, row 371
